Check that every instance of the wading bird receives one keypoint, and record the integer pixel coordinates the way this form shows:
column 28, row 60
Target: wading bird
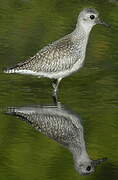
column 63, row 57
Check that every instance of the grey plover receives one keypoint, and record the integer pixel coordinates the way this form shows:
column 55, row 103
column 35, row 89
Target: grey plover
column 63, row 126
column 64, row 56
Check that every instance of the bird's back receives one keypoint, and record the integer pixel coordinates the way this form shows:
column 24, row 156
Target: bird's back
column 58, row 124
column 59, row 56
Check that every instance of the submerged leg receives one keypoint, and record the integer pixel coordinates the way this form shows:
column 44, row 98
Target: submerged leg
column 55, row 84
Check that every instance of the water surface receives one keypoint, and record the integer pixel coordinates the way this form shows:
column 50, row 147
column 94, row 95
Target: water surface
column 25, row 27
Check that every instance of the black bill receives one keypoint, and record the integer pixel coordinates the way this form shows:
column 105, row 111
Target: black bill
column 99, row 21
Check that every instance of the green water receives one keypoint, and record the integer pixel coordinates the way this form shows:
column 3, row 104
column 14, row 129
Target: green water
column 25, row 27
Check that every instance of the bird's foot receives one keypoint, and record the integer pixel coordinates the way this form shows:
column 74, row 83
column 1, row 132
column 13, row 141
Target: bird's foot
column 55, row 97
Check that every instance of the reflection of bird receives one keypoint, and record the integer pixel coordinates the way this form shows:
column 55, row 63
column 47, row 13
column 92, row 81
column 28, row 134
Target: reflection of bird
column 64, row 56
column 63, row 126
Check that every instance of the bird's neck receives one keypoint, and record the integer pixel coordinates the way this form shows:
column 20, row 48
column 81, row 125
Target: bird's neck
column 81, row 31
column 80, row 155
column 79, row 150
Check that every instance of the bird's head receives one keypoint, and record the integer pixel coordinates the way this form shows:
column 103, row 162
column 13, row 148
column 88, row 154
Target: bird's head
column 88, row 167
column 90, row 17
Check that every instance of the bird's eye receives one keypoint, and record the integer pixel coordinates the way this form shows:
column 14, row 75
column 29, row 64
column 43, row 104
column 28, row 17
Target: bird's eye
column 92, row 17
column 88, row 168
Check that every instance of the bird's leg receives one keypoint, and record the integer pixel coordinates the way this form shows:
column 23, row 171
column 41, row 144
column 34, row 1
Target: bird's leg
column 55, row 99
column 55, row 84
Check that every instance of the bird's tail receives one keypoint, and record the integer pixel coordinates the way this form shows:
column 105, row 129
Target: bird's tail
column 13, row 69
column 9, row 70
column 20, row 112
column 18, row 67
column 12, row 111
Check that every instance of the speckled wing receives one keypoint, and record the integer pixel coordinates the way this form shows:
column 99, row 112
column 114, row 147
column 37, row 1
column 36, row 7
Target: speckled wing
column 56, row 123
column 56, row 57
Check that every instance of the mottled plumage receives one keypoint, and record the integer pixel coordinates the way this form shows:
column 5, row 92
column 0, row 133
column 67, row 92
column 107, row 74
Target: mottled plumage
column 53, row 59
column 63, row 126
column 64, row 56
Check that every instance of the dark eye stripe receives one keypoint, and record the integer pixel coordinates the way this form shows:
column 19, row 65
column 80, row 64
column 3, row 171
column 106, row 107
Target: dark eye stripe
column 92, row 16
